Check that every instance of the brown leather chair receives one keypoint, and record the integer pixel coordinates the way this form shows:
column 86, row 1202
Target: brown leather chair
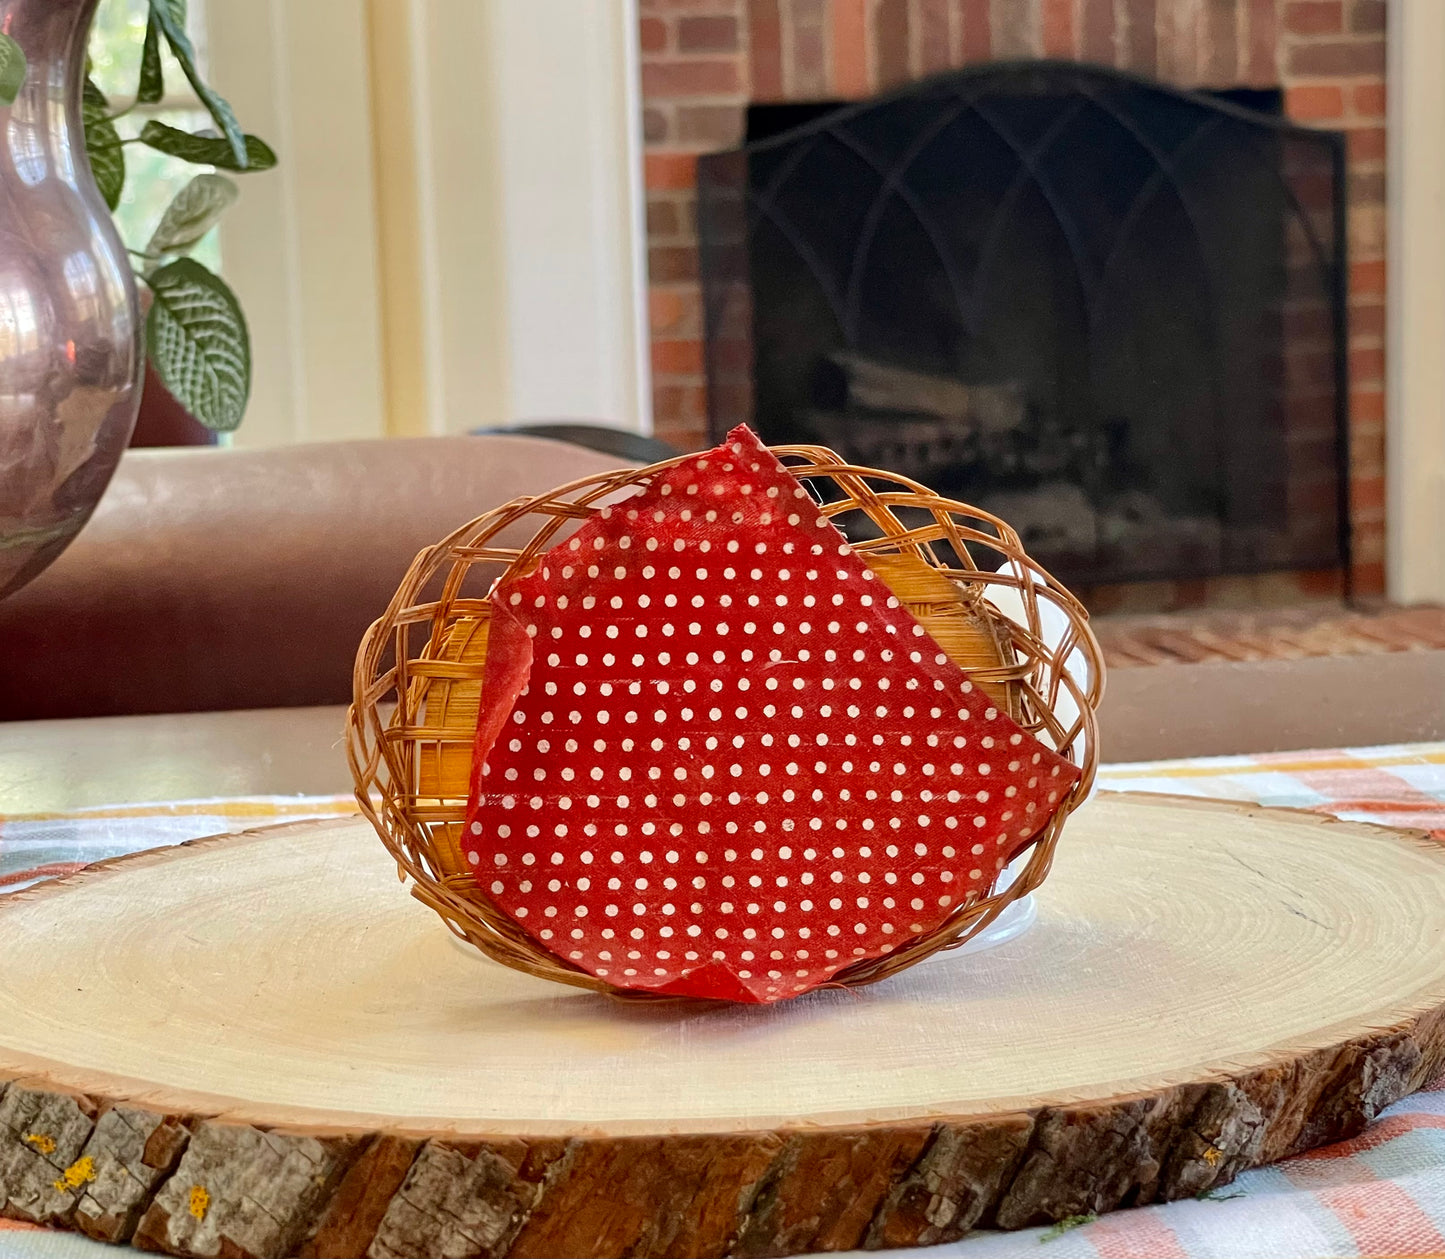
column 244, row 579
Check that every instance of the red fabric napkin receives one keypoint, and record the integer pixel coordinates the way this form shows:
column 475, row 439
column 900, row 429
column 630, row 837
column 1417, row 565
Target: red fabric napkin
column 716, row 758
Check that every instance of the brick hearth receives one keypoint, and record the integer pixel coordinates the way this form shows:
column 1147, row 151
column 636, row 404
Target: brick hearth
column 1269, row 634
column 704, row 61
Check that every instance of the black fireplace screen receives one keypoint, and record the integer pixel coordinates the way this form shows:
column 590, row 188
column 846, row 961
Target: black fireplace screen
column 1110, row 312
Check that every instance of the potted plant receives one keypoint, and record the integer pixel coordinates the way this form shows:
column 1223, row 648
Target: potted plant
column 197, row 344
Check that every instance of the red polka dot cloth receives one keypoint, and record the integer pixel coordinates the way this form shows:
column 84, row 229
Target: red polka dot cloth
column 717, row 758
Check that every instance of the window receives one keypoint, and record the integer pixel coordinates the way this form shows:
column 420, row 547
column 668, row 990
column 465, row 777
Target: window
column 152, row 178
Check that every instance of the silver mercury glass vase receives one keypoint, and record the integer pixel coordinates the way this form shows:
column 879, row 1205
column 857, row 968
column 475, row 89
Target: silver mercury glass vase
column 71, row 354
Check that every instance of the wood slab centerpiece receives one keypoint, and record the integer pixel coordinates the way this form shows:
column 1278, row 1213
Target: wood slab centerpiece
column 257, row 1045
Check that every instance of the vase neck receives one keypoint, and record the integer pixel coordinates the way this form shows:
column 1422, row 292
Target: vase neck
column 53, row 35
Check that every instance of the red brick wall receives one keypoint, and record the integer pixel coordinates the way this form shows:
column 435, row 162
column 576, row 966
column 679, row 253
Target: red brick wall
column 703, row 61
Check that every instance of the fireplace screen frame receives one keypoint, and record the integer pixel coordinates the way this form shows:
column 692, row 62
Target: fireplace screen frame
column 732, row 211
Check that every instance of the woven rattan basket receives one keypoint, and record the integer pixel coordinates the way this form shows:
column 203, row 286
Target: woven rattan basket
column 418, row 677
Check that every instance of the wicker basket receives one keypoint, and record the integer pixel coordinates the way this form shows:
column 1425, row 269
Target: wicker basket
column 418, row 677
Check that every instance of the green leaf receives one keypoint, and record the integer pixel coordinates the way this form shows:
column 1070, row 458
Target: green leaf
column 12, row 69
column 102, row 145
column 203, row 150
column 171, row 19
column 191, row 214
column 199, row 343
column 152, row 85
column 1067, row 1223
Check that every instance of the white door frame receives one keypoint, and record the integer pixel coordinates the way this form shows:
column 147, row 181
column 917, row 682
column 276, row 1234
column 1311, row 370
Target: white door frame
column 1415, row 344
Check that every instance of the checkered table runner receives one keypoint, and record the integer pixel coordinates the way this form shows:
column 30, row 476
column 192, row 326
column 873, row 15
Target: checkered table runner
column 1381, row 1194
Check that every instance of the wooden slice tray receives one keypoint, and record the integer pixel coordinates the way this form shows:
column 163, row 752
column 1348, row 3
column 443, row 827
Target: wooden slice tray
column 259, row 1045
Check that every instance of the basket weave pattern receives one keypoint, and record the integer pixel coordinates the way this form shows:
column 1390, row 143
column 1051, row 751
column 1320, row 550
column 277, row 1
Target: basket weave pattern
column 418, row 677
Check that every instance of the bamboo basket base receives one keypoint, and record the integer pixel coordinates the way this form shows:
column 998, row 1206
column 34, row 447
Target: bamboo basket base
column 255, row 1045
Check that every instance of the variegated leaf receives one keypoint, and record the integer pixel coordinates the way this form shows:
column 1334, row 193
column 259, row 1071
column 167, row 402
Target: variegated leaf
column 102, row 145
column 204, row 150
column 191, row 214
column 199, row 343
column 152, row 84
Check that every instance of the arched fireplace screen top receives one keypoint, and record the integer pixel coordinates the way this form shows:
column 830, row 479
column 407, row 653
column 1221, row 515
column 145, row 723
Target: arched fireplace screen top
column 1108, row 310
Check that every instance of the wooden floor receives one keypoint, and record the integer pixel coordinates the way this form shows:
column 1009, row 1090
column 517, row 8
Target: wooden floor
column 1268, row 634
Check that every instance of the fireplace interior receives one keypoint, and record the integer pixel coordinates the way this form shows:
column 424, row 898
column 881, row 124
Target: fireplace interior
column 1108, row 311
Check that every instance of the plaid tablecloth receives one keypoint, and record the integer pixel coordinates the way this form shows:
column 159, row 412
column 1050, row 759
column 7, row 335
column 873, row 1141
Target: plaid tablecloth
column 1381, row 1194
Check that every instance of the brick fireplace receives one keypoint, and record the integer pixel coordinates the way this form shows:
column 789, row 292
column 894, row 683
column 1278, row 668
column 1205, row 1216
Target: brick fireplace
column 705, row 61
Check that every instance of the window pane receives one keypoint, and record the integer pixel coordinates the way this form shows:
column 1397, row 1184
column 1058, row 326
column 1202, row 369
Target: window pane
column 116, row 37
column 152, row 178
